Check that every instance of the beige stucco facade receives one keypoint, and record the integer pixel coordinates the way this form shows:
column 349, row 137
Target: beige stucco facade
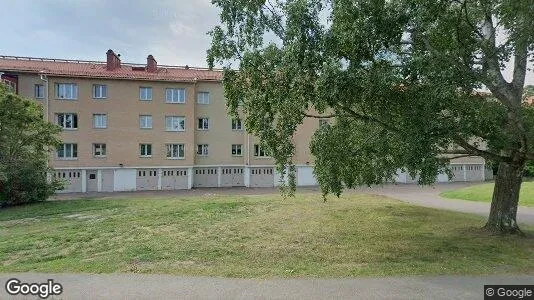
column 124, row 168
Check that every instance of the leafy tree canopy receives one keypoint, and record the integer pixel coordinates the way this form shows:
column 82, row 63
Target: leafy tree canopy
column 24, row 140
column 398, row 77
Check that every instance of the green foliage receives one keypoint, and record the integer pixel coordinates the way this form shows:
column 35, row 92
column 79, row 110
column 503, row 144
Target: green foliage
column 24, row 140
column 529, row 169
column 398, row 78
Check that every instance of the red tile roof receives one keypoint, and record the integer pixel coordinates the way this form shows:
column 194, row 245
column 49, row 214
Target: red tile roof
column 97, row 69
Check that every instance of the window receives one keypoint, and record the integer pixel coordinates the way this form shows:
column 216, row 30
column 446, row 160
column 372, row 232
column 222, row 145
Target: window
column 260, row 151
column 92, row 176
column 145, row 150
column 145, row 93
column 236, row 124
column 203, row 123
column 175, row 95
column 67, row 120
column 66, row 91
column 202, row 150
column 145, row 121
column 323, row 122
column 203, row 98
column 175, row 151
column 100, row 91
column 237, row 150
column 39, row 91
column 99, row 150
column 174, row 123
column 100, row 121
column 67, row 151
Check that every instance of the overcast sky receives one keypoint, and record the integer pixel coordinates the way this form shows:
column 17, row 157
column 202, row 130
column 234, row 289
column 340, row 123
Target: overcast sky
column 174, row 31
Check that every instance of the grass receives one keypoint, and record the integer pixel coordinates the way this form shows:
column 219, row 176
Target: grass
column 254, row 236
column 484, row 192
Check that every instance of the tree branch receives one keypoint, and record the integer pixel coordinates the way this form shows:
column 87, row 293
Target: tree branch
column 491, row 68
column 520, row 68
column 367, row 118
column 474, row 150
column 455, row 152
column 460, row 156
column 281, row 30
column 319, row 117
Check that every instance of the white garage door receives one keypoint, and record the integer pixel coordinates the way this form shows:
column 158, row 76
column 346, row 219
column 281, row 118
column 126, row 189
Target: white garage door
column 305, row 176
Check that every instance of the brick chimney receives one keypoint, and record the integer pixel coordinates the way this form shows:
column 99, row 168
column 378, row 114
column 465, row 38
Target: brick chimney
column 151, row 64
column 113, row 60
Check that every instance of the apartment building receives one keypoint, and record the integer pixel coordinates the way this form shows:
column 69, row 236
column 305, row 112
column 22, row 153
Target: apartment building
column 130, row 127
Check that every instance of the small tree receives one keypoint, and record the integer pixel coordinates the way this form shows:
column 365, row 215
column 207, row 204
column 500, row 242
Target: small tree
column 24, row 141
column 399, row 78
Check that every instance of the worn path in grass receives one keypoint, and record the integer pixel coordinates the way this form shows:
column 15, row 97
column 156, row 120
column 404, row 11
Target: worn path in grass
column 410, row 193
column 136, row 286
column 429, row 197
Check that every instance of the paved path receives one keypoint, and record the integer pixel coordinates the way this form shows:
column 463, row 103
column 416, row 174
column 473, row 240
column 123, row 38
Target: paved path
column 134, row 286
column 429, row 197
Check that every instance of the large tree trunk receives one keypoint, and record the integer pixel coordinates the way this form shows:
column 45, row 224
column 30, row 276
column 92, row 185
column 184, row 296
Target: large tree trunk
column 502, row 218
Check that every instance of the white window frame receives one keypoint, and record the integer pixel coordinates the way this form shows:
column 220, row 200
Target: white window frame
column 205, row 125
column 235, row 123
column 100, row 91
column 203, row 149
column 72, row 147
column 175, row 95
column 100, row 121
column 203, row 98
column 66, row 91
column 63, row 124
column 175, row 122
column 145, row 121
column 172, row 149
column 39, row 91
column 259, row 152
column 101, row 148
column 235, row 148
column 145, row 147
column 145, row 93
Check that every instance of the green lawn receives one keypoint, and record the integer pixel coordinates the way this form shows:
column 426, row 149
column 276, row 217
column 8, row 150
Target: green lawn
column 484, row 192
column 254, row 236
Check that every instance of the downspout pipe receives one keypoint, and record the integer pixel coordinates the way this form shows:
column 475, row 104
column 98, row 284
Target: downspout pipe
column 45, row 79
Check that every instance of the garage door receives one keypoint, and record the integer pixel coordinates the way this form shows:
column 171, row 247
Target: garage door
column 261, row 177
column 458, row 172
column 232, row 177
column 107, row 181
column 305, row 176
column 473, row 172
column 174, row 179
column 147, row 179
column 442, row 177
column 92, row 181
column 205, row 177
column 72, row 180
